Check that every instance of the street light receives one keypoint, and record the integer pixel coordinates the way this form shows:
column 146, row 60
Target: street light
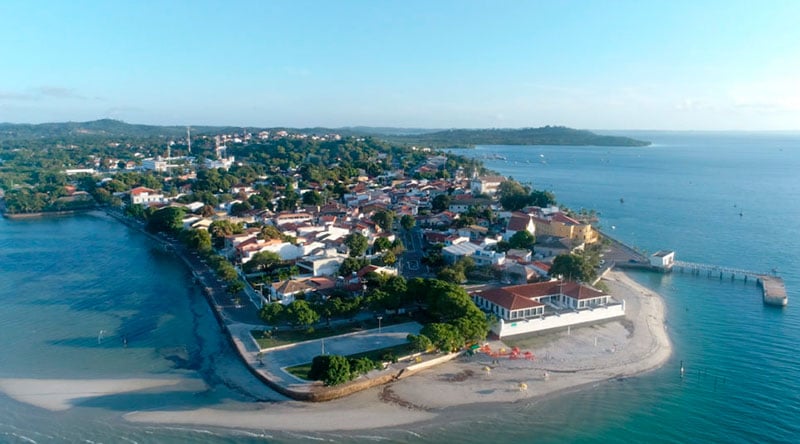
column 379, row 323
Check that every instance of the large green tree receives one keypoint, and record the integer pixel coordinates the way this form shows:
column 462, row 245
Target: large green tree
column 444, row 336
column 574, row 267
column 513, row 195
column 300, row 314
column 199, row 240
column 169, row 220
column 440, row 202
column 330, row 369
column 261, row 261
column 407, row 222
column 356, row 243
column 522, row 240
column 384, row 219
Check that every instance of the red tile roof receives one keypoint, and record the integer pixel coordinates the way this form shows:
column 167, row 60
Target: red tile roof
column 518, row 222
column 516, row 297
column 508, row 300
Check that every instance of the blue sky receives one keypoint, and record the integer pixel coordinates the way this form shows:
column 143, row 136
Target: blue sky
column 701, row 65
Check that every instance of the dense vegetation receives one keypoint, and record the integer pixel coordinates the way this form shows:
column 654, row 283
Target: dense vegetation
column 547, row 135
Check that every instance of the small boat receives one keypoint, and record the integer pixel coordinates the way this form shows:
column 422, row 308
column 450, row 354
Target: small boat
column 621, row 200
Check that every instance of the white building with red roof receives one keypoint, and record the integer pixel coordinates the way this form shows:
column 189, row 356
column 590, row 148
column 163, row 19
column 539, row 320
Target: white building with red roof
column 145, row 196
column 545, row 306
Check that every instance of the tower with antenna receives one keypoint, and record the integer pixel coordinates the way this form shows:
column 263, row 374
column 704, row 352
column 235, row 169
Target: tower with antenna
column 189, row 138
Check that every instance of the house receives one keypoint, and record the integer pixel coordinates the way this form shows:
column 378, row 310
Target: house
column 662, row 259
column 145, row 196
column 486, row 184
column 155, row 164
column 552, row 221
column 287, row 291
column 548, row 246
column 325, row 263
column 519, row 222
column 544, row 306
column 463, row 203
column 519, row 255
column 285, row 218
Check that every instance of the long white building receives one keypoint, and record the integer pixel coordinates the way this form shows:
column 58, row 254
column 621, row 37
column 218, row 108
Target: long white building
column 546, row 305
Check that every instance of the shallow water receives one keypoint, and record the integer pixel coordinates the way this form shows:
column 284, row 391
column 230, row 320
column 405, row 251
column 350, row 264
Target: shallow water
column 72, row 288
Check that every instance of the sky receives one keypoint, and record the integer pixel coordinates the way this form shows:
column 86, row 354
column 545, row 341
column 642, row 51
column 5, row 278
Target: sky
column 610, row 64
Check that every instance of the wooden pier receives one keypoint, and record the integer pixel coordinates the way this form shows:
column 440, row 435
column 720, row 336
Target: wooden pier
column 774, row 290
column 773, row 287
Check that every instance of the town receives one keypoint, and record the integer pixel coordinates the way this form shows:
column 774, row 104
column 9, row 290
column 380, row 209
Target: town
column 302, row 239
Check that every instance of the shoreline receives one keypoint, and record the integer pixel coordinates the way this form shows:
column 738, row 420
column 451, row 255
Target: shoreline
column 573, row 360
column 624, row 348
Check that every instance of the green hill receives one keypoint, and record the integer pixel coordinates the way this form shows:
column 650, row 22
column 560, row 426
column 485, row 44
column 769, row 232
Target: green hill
column 547, row 135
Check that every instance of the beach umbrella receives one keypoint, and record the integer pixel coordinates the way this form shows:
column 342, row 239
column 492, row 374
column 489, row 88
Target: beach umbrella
column 523, row 387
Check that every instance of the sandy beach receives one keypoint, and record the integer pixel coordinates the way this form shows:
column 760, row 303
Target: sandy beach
column 565, row 360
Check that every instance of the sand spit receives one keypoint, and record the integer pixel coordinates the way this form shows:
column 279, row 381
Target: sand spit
column 564, row 360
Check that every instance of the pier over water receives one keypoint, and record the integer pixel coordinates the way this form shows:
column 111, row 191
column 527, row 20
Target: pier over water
column 773, row 287
column 619, row 255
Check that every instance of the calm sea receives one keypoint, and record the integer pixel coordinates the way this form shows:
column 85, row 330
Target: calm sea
column 73, row 288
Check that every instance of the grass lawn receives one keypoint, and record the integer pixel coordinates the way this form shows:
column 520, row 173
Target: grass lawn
column 301, row 371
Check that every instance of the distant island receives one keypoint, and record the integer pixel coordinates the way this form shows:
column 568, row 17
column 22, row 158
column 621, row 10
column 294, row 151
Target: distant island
column 436, row 138
column 547, row 135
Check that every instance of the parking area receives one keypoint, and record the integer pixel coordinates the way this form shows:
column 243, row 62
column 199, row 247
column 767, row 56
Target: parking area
column 352, row 343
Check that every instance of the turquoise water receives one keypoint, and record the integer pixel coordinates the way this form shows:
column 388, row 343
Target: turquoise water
column 64, row 280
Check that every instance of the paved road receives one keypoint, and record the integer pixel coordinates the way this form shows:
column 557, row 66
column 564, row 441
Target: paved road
column 411, row 261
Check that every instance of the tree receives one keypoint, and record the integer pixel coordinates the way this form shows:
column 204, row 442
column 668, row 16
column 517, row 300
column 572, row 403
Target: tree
column 271, row 232
column 542, row 198
column 573, row 267
column 362, row 365
column 389, row 258
column 513, row 196
column 338, row 371
column 330, row 369
column 522, row 240
column 445, row 337
column 300, row 314
column 272, row 313
column 240, row 208
column 261, row 261
column 221, row 228
column 312, row 198
column 258, row 201
column 452, row 275
column 441, row 202
column 384, row 219
column 356, row 243
column 407, row 222
column 199, row 240
column 169, row 219
column 351, row 265
column 331, row 308
column 381, row 244
column 235, row 286
column 420, row 343
column 473, row 326
column 136, row 211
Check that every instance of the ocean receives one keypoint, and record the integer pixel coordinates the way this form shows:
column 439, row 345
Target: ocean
column 74, row 288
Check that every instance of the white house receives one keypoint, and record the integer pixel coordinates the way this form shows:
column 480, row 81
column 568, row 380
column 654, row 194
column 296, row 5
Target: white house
column 486, row 184
column 145, row 196
column 663, row 259
column 546, row 305
column 158, row 164
column 519, row 222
